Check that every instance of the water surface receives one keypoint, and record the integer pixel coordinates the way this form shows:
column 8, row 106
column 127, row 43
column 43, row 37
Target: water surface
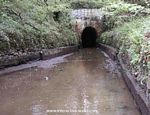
column 80, row 81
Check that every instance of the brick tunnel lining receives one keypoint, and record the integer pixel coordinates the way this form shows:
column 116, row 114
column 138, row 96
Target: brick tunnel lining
column 88, row 37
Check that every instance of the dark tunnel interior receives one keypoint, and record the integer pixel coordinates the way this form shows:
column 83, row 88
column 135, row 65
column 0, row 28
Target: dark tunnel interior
column 88, row 37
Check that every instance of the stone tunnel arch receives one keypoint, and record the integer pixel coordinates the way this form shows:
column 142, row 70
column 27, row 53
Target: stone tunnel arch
column 87, row 25
column 88, row 37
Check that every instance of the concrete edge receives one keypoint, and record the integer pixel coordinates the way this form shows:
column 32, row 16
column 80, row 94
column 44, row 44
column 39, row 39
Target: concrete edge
column 138, row 94
column 112, row 52
column 52, row 53
column 15, row 65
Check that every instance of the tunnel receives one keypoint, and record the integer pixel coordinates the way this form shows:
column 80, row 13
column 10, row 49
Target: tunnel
column 88, row 37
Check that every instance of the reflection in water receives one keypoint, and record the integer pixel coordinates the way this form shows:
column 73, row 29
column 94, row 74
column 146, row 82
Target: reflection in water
column 96, row 104
column 86, row 103
column 38, row 108
column 80, row 82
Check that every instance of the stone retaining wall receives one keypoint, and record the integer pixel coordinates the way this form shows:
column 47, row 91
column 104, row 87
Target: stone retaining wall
column 44, row 54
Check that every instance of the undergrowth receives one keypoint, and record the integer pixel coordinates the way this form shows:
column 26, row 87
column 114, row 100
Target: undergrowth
column 34, row 24
column 132, row 40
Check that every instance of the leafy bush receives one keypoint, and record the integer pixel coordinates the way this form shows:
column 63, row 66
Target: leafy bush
column 118, row 13
column 80, row 4
column 133, row 44
column 31, row 25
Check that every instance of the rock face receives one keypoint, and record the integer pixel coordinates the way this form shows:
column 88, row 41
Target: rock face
column 87, row 18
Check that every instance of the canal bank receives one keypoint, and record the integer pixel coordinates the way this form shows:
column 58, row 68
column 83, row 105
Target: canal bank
column 140, row 97
column 85, row 80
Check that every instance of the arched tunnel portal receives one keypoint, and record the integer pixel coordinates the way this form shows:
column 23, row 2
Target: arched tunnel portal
column 88, row 26
column 88, row 37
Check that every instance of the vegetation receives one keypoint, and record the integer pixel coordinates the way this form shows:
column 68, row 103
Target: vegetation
column 77, row 4
column 128, row 30
column 145, row 3
column 30, row 25
column 34, row 24
column 27, row 25
column 118, row 13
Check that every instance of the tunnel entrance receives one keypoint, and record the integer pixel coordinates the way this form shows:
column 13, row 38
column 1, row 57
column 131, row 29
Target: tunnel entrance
column 88, row 37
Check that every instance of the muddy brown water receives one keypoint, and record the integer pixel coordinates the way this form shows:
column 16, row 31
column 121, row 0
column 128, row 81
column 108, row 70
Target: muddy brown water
column 82, row 83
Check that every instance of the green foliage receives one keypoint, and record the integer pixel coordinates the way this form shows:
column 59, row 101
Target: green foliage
column 79, row 4
column 116, row 13
column 126, row 26
column 122, row 7
column 84, row 4
column 40, row 24
column 29, row 24
column 130, row 39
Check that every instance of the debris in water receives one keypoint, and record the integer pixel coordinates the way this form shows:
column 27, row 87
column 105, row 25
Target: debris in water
column 46, row 78
column 61, row 69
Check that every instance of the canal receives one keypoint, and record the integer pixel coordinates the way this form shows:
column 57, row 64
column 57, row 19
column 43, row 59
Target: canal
column 86, row 82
